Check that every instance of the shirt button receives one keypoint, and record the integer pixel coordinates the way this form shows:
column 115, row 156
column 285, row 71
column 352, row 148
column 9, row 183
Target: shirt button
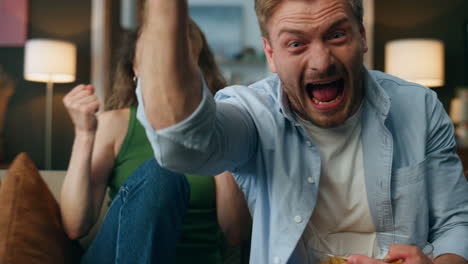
column 298, row 219
column 277, row 260
column 385, row 139
column 310, row 180
column 308, row 144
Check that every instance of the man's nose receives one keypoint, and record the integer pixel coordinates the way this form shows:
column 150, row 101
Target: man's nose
column 320, row 59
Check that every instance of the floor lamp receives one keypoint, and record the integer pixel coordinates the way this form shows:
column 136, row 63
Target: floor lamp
column 49, row 61
column 416, row 60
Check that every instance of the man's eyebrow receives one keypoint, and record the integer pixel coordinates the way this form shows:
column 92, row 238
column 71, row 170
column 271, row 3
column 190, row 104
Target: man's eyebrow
column 339, row 22
column 302, row 32
column 291, row 31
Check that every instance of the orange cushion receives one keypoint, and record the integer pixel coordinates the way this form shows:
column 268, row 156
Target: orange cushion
column 30, row 224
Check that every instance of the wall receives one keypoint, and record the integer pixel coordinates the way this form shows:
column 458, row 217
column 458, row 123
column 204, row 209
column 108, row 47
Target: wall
column 251, row 29
column 24, row 128
column 444, row 20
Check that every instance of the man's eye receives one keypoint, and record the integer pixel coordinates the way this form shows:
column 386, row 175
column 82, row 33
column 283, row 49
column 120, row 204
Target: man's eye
column 295, row 44
column 337, row 35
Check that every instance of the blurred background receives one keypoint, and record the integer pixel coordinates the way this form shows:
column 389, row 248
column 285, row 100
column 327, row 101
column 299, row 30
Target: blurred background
column 94, row 27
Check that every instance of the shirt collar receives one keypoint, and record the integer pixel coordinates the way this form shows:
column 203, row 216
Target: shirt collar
column 375, row 94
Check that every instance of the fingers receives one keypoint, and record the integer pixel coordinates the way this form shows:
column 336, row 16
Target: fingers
column 90, row 88
column 361, row 259
column 82, row 92
column 90, row 107
column 85, row 99
column 79, row 90
column 75, row 90
column 81, row 95
column 411, row 254
column 87, row 105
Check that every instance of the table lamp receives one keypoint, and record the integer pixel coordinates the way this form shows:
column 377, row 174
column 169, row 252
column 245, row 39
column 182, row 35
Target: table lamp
column 416, row 60
column 49, row 61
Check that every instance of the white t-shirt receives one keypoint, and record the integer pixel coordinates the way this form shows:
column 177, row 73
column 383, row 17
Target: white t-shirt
column 341, row 222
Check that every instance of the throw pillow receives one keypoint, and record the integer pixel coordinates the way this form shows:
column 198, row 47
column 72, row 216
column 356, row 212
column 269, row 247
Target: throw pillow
column 30, row 224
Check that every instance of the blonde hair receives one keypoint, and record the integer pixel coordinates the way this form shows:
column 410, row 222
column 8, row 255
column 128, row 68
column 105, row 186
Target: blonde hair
column 123, row 88
column 266, row 8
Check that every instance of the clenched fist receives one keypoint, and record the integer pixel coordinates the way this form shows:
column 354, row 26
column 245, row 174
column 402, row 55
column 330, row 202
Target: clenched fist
column 82, row 105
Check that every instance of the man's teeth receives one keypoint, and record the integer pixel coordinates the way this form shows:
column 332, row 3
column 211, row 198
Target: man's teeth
column 329, row 102
column 324, row 83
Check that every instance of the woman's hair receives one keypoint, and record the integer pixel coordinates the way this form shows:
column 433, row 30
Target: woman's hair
column 123, row 88
column 206, row 61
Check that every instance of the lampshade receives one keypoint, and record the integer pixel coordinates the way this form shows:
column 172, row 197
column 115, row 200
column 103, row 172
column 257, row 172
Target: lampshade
column 48, row 60
column 459, row 106
column 416, row 60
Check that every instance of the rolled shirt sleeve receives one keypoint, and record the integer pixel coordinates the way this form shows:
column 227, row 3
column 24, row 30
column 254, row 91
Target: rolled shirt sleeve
column 216, row 137
column 183, row 133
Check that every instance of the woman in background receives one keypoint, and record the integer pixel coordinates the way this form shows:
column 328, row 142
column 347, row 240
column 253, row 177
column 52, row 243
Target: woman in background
column 151, row 205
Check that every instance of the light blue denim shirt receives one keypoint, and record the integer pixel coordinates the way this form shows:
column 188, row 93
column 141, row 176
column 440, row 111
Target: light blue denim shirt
column 414, row 179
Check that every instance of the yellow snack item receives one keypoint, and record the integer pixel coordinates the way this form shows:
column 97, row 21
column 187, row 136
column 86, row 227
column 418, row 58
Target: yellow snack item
column 335, row 260
column 341, row 260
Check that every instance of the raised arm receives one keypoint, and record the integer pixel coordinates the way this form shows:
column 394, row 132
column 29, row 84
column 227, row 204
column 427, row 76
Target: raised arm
column 170, row 80
column 188, row 131
column 91, row 160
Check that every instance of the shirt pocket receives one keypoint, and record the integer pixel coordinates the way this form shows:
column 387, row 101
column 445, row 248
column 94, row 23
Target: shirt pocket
column 402, row 177
column 409, row 202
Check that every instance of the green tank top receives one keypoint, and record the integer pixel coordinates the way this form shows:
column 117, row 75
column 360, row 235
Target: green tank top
column 201, row 238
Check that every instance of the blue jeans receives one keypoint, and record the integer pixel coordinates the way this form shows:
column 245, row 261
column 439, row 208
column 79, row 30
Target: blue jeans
column 143, row 222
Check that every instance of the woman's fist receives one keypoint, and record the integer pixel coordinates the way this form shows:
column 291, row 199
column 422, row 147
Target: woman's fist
column 82, row 105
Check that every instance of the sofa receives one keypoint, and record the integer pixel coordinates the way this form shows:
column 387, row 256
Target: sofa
column 30, row 223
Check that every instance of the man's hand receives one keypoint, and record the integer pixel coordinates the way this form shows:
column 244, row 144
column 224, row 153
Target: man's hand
column 404, row 254
column 450, row 259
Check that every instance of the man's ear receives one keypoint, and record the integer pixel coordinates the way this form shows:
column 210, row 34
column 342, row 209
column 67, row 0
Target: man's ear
column 269, row 54
column 362, row 31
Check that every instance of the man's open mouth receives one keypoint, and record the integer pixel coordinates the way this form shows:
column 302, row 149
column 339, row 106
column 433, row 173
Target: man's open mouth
column 326, row 93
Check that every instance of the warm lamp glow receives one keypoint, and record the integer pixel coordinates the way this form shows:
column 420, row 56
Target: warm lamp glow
column 416, row 60
column 49, row 61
